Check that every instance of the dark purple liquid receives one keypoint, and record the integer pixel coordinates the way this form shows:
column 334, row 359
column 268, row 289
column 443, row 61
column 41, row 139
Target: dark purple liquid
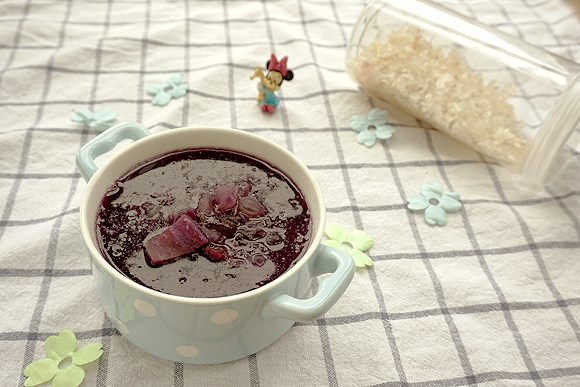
column 147, row 197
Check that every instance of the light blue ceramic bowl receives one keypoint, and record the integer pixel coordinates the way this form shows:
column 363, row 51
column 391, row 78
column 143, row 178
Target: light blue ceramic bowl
column 207, row 330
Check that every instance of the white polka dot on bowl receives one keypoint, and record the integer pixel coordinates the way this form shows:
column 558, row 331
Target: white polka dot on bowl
column 224, row 316
column 187, row 351
column 145, row 308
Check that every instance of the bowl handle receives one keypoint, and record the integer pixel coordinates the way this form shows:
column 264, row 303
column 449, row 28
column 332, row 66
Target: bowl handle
column 105, row 142
column 328, row 260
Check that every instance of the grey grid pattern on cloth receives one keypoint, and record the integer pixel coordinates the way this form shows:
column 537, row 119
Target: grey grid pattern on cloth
column 492, row 298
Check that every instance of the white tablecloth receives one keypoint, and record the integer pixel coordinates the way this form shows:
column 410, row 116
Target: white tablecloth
column 492, row 298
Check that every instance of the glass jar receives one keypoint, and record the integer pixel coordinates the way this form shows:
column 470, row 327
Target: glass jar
column 509, row 100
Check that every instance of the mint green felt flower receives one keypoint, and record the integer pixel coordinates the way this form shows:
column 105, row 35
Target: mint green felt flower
column 372, row 127
column 173, row 88
column 61, row 350
column 100, row 120
column 354, row 243
column 435, row 204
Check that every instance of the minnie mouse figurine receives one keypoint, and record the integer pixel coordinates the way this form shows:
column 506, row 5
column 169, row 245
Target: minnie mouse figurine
column 277, row 72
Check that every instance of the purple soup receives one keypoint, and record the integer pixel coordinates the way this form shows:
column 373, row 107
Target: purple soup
column 203, row 223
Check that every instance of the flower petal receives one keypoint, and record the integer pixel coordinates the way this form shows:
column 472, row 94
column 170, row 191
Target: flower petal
column 105, row 115
column 179, row 91
column 83, row 116
column 417, row 203
column 384, row 132
column 40, row 371
column 155, row 89
column 431, row 190
column 358, row 123
column 449, row 203
column 435, row 215
column 332, row 243
column 71, row 376
column 176, row 79
column 61, row 346
column 360, row 240
column 87, row 354
column 336, row 232
column 454, row 195
column 161, row 99
column 366, row 137
column 378, row 117
column 360, row 258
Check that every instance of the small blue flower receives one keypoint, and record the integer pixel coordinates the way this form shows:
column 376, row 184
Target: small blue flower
column 435, row 204
column 371, row 128
column 100, row 120
column 174, row 88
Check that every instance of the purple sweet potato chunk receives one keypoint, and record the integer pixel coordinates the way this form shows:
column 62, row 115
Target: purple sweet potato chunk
column 213, row 235
column 225, row 197
column 225, row 224
column 162, row 248
column 258, row 260
column 251, row 207
column 204, row 205
column 182, row 237
column 216, row 253
column 191, row 212
column 189, row 232
column 244, row 188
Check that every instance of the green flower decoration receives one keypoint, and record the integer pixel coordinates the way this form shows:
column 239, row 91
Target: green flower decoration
column 61, row 350
column 354, row 243
column 100, row 120
column 371, row 128
column 435, row 204
column 174, row 88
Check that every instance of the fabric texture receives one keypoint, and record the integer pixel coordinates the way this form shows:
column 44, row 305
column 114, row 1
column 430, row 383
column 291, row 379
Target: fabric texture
column 491, row 298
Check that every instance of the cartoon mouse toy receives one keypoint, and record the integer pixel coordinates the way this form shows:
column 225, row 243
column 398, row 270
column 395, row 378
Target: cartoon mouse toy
column 269, row 83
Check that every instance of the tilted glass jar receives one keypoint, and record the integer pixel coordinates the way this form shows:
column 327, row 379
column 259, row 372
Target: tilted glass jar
column 511, row 101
